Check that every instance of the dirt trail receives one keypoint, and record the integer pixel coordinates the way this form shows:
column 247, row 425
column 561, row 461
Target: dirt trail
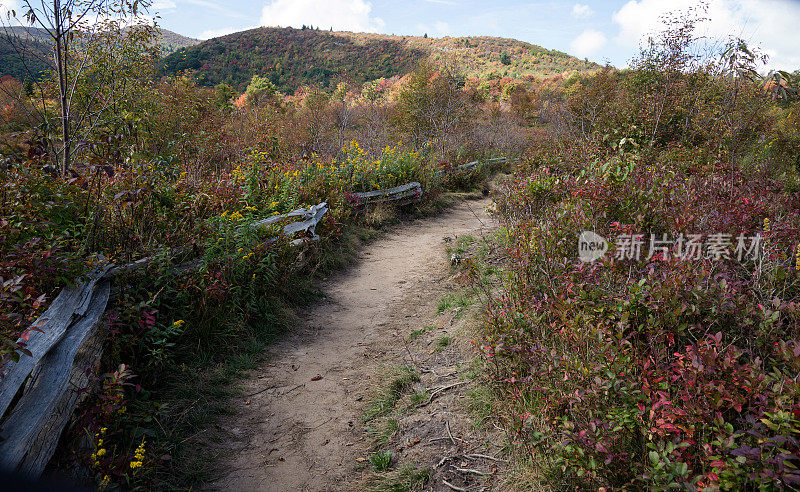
column 300, row 427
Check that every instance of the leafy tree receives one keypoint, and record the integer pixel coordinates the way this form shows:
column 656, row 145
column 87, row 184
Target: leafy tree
column 340, row 92
column 316, row 106
column 99, row 48
column 223, row 95
column 21, row 60
column 505, row 58
column 739, row 63
column 433, row 105
column 260, row 89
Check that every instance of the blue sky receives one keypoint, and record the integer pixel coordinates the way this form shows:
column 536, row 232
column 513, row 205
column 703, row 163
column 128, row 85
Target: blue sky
column 601, row 30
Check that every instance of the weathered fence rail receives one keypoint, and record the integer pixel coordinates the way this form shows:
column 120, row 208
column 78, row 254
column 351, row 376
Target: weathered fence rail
column 400, row 194
column 474, row 164
column 32, row 429
column 39, row 392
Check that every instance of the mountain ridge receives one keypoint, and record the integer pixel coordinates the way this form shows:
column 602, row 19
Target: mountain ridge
column 293, row 57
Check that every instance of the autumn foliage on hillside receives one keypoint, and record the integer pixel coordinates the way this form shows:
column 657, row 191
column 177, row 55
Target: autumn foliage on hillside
column 292, row 58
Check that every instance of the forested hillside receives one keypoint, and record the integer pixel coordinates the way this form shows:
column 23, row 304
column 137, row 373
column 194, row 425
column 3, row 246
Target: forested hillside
column 171, row 41
column 18, row 59
column 295, row 57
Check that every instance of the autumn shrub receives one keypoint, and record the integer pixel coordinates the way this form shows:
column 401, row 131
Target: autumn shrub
column 654, row 372
column 668, row 368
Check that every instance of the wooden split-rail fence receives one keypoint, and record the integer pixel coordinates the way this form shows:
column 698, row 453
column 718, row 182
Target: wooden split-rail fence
column 38, row 393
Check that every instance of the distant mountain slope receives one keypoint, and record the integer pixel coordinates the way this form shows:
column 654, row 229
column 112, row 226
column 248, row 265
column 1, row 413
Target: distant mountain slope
column 292, row 57
column 296, row 57
column 36, row 48
column 19, row 59
column 482, row 56
column 172, row 41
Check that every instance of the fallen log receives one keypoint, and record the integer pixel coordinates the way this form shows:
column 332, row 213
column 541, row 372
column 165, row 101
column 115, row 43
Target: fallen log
column 306, row 213
column 311, row 216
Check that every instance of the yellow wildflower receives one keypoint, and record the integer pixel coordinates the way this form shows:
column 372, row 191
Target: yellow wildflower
column 138, row 456
column 797, row 258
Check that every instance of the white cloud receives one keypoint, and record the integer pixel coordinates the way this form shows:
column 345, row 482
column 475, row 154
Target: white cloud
column 639, row 18
column 345, row 15
column 6, row 5
column 582, row 11
column 588, row 43
column 162, row 5
column 767, row 24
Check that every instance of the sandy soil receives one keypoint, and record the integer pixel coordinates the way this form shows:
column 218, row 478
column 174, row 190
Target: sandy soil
column 299, row 426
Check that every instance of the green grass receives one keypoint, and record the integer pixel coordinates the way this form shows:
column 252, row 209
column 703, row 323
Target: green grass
column 462, row 245
column 420, row 397
column 182, row 410
column 406, row 479
column 419, row 332
column 394, row 382
column 480, row 406
column 382, row 430
column 443, row 342
column 381, row 460
column 344, row 251
column 453, row 300
column 416, row 334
